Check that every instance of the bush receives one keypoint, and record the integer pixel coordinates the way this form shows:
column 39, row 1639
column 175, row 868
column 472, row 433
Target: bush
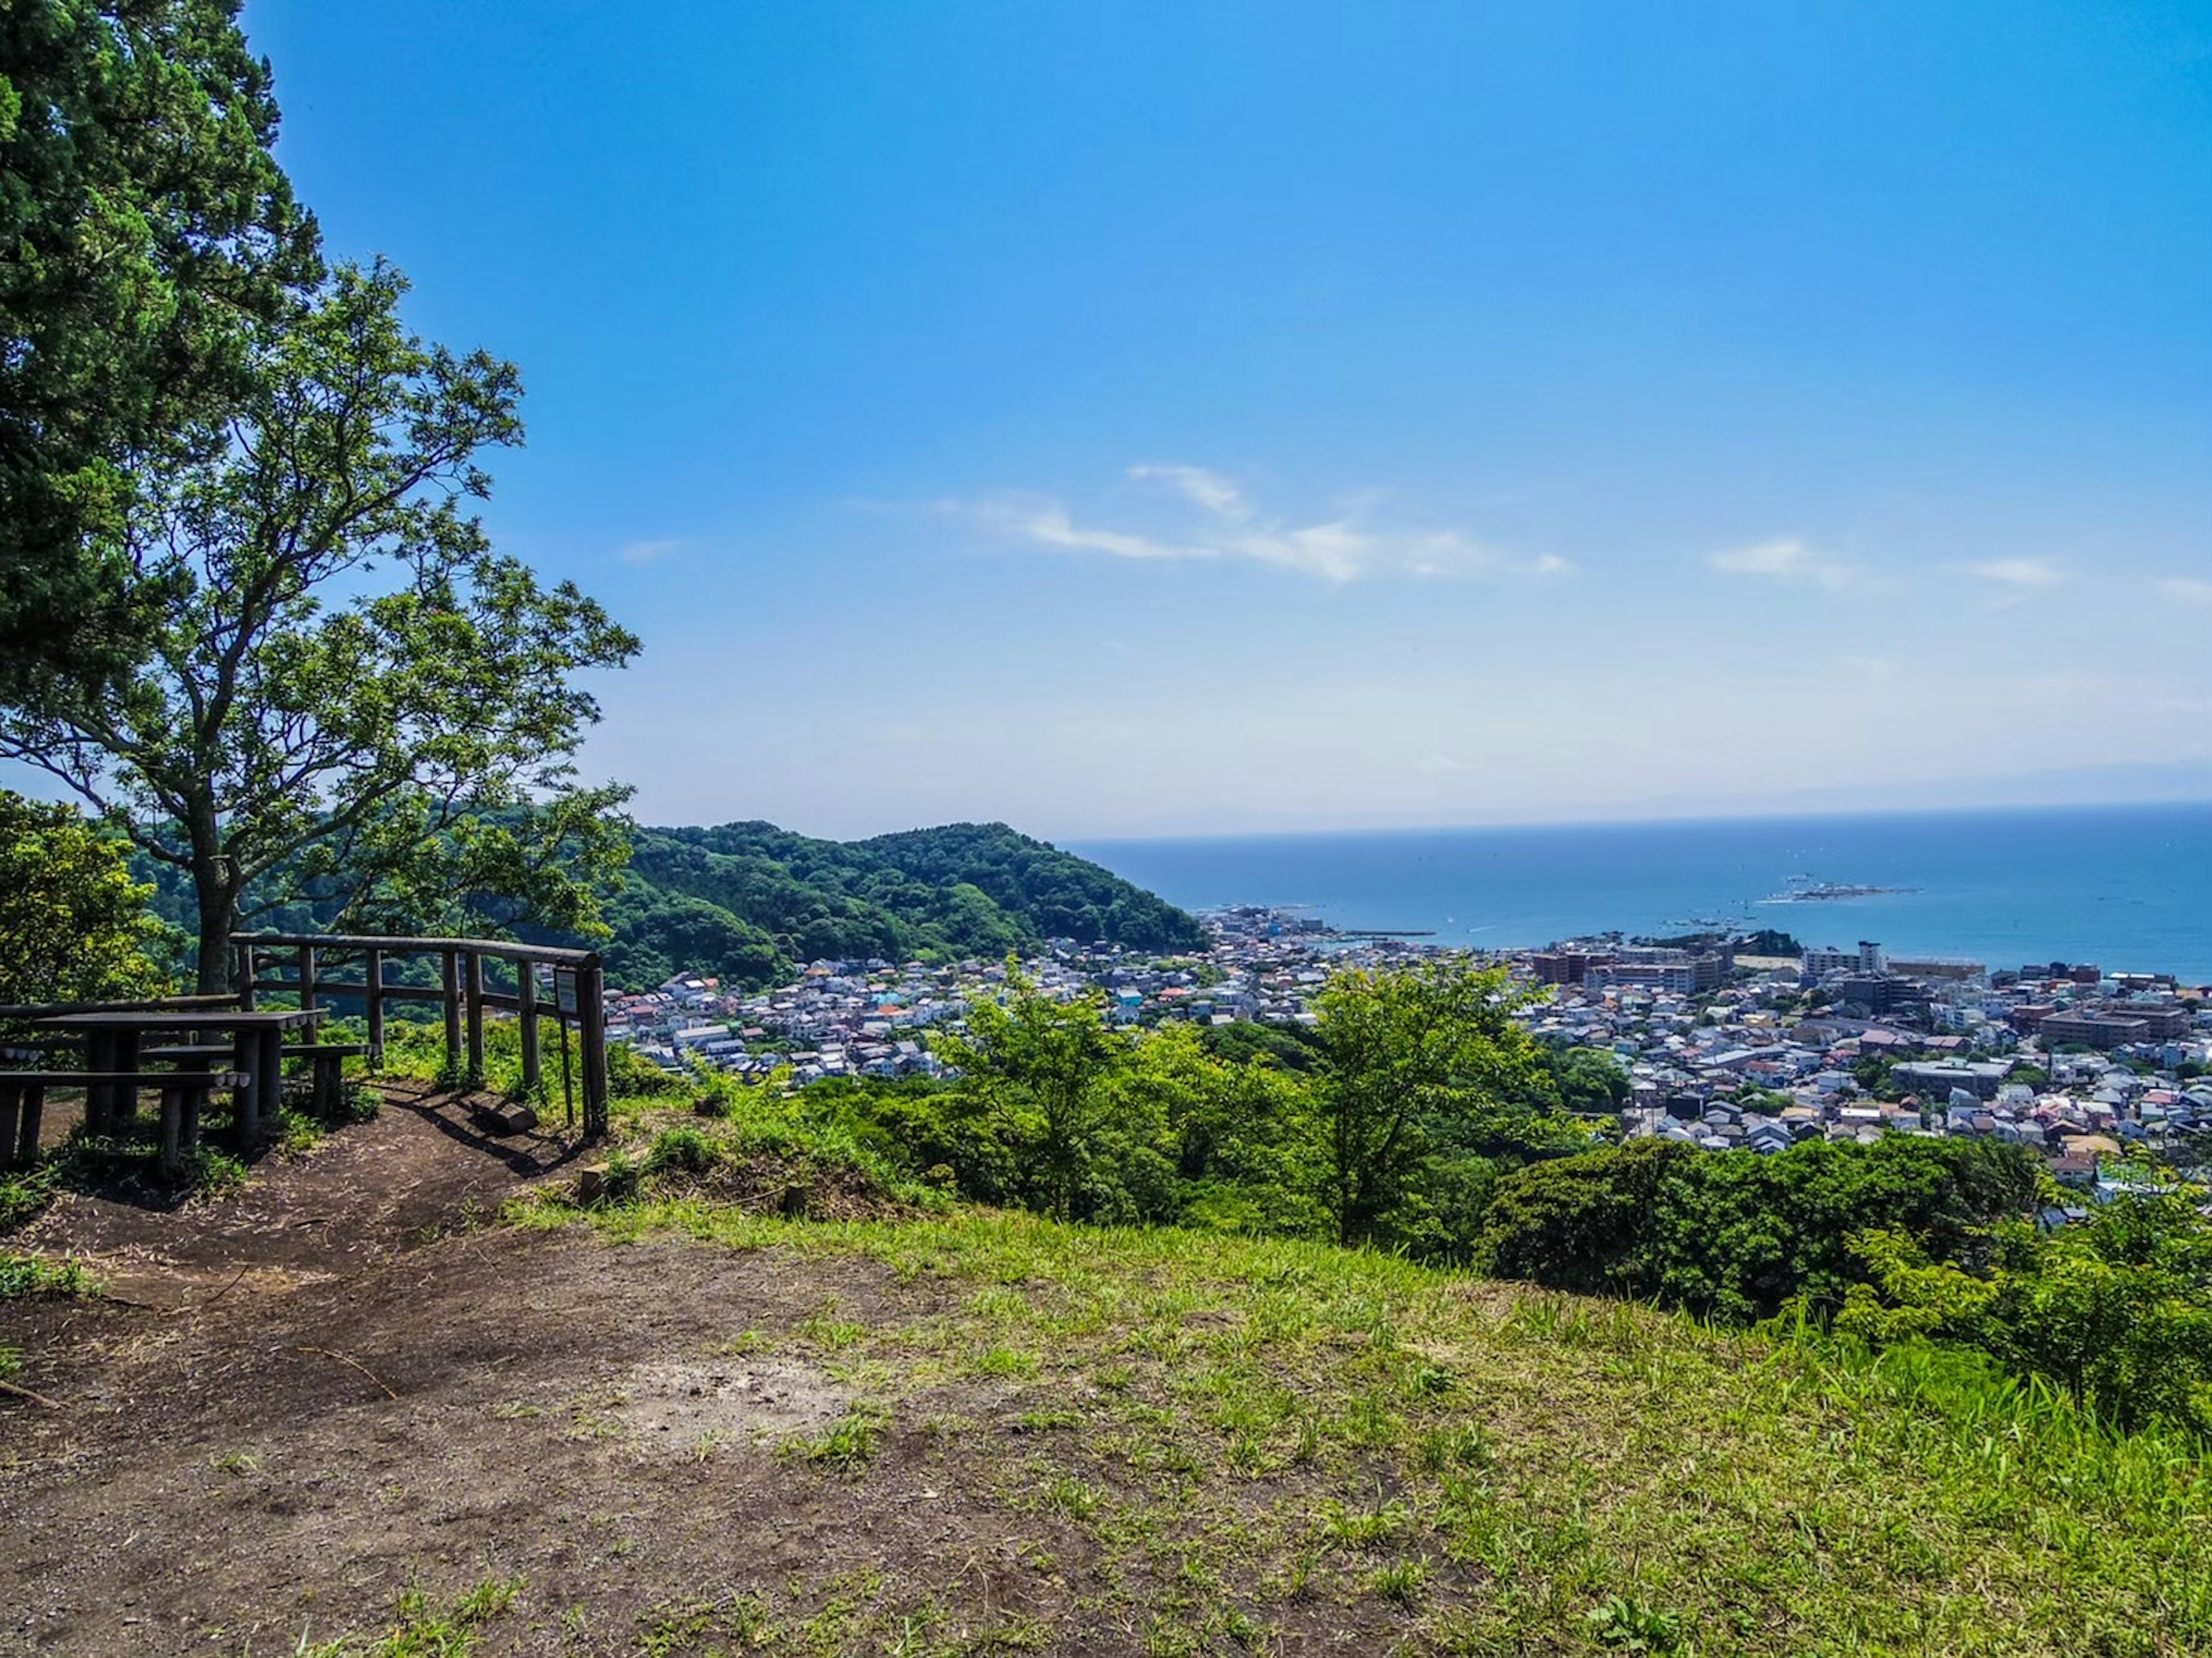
column 1737, row 1238
column 2116, row 1309
column 682, row 1150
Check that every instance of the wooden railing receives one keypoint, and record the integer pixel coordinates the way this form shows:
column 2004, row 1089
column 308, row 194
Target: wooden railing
column 574, row 989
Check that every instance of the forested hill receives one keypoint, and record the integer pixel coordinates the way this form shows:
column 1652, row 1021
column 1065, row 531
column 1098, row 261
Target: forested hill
column 751, row 903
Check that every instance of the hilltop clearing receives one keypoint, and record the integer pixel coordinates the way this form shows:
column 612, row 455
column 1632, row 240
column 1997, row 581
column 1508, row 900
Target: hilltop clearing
column 352, row 1403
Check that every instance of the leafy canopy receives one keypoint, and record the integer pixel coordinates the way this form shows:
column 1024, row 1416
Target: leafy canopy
column 147, row 232
column 74, row 927
column 1418, row 1057
column 396, row 749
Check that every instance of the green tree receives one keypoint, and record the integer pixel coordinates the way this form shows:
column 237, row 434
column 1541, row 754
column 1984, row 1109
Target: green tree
column 297, row 729
column 1411, row 1051
column 74, row 926
column 1037, row 1065
column 148, row 230
column 2115, row 1307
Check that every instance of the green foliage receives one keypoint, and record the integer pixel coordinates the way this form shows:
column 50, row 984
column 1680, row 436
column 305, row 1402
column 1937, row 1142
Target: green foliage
column 2115, row 1308
column 1737, row 1237
column 681, row 1149
column 1037, row 1065
column 1423, row 1060
column 748, row 902
column 34, row 1278
column 147, row 231
column 399, row 753
column 74, row 927
column 1586, row 1081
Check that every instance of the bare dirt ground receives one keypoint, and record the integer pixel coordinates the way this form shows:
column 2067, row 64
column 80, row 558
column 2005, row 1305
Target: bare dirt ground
column 346, row 1382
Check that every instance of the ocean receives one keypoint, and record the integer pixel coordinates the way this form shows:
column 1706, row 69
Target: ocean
column 2126, row 887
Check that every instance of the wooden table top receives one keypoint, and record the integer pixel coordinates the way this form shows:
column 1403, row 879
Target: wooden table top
column 281, row 1019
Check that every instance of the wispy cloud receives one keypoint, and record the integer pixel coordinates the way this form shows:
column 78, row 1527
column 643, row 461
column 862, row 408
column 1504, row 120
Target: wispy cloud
column 646, row 552
column 1211, row 490
column 1217, row 520
column 2023, row 575
column 2187, row 590
column 1787, row 559
column 1440, row 765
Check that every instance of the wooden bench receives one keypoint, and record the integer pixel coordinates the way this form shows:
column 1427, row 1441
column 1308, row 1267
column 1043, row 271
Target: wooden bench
column 329, row 1060
column 184, row 1098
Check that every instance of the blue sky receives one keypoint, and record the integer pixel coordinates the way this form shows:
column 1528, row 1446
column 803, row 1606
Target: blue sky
column 1132, row 418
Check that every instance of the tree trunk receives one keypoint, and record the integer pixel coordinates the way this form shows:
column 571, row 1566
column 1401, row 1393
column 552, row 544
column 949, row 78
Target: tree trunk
column 218, row 906
column 215, row 887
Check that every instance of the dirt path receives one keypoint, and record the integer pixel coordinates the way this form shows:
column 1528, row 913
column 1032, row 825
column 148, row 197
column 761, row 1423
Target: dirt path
column 345, row 1382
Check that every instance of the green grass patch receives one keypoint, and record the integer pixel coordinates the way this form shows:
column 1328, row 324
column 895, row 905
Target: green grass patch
column 34, row 1278
column 1249, row 1436
column 422, row 1628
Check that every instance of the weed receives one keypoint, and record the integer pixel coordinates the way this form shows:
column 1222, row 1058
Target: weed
column 33, row 1277
column 846, row 1445
column 1360, row 1528
column 682, row 1150
column 1400, row 1581
column 1624, row 1623
column 1045, row 1419
column 1074, row 1498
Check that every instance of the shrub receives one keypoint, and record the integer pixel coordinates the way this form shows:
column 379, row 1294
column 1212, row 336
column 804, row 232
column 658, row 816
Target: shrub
column 683, row 1149
column 1738, row 1238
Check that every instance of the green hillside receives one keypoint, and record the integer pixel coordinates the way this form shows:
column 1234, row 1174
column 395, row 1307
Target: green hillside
column 751, row 902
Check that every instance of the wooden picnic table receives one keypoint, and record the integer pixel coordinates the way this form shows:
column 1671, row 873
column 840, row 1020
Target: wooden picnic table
column 111, row 1042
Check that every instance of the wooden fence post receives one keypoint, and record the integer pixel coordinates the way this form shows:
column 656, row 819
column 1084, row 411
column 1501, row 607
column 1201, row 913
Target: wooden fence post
column 453, row 990
column 248, row 970
column 473, row 995
column 525, row 993
column 373, row 971
column 591, row 1041
column 307, row 976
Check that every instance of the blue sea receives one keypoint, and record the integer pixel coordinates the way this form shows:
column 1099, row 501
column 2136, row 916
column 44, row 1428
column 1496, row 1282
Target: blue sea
column 2127, row 887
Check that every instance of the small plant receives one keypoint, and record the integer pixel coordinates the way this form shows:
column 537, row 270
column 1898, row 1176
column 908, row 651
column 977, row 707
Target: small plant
column 33, row 1277
column 1459, row 1446
column 1071, row 1496
column 846, row 1445
column 1624, row 1623
column 1005, row 1360
column 682, row 1150
column 1356, row 1529
column 1400, row 1581
column 239, row 1464
column 419, row 1631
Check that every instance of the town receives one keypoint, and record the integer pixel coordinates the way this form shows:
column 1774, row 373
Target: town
column 1720, row 1049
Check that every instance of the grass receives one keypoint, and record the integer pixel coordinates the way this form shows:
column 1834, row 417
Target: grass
column 1252, row 1443
column 34, row 1278
column 421, row 1629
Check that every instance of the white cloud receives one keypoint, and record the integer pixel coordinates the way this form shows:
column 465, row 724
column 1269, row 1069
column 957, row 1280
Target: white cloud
column 1223, row 524
column 1208, row 489
column 2187, row 590
column 2027, row 574
column 646, row 552
column 1438, row 764
column 1786, row 560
